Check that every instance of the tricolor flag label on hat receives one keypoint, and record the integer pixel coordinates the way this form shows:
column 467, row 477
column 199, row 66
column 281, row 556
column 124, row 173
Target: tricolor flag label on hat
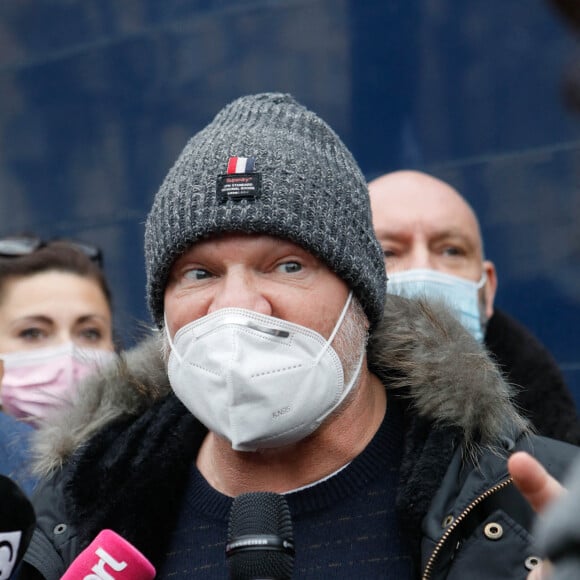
column 240, row 181
column 241, row 165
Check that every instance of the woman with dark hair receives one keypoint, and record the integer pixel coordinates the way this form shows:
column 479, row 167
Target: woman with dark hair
column 55, row 328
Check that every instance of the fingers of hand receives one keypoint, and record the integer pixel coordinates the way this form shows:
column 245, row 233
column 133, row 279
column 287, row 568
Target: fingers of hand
column 534, row 482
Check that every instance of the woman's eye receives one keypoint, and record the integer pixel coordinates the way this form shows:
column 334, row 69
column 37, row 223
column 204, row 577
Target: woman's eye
column 91, row 334
column 31, row 334
column 197, row 274
column 290, row 267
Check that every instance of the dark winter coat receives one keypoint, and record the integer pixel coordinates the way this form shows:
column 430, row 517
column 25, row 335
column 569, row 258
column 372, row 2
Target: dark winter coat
column 541, row 393
column 121, row 458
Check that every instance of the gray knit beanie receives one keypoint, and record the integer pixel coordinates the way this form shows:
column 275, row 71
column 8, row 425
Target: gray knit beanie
column 266, row 164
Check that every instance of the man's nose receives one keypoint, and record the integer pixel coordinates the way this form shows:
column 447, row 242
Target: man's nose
column 421, row 257
column 240, row 290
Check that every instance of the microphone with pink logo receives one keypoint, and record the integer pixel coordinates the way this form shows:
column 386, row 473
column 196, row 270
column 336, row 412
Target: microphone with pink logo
column 110, row 557
column 17, row 521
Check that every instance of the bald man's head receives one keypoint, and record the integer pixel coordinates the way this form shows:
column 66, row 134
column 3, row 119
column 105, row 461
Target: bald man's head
column 422, row 222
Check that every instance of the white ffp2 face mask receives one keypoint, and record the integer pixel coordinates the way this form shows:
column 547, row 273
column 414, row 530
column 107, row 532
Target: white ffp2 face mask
column 258, row 381
column 461, row 295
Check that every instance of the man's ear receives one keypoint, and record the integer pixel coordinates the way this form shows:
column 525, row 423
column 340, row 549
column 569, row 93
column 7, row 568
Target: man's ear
column 490, row 287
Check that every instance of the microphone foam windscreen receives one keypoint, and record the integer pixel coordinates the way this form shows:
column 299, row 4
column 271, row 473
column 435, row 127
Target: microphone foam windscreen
column 260, row 538
column 110, row 556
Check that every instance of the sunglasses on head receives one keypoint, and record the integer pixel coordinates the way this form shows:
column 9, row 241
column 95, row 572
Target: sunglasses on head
column 23, row 246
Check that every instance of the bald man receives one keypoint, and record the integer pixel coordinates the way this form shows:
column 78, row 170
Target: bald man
column 433, row 246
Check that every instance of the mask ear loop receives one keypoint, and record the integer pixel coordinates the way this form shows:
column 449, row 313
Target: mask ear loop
column 171, row 345
column 356, row 374
column 336, row 329
column 482, row 281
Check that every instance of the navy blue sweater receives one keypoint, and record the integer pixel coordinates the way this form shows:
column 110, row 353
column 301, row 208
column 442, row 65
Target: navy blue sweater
column 345, row 526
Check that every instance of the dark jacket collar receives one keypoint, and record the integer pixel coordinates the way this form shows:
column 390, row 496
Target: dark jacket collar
column 539, row 387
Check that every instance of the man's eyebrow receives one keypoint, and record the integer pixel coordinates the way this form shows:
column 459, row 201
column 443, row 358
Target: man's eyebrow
column 457, row 235
column 390, row 232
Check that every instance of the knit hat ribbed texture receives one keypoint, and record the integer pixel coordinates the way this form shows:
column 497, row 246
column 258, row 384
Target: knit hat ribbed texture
column 311, row 192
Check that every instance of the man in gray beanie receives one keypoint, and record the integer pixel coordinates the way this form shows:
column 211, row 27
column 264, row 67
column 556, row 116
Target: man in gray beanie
column 302, row 185
column 277, row 369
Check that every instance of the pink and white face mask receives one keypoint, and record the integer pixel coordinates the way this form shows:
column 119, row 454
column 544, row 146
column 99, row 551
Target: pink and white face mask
column 38, row 382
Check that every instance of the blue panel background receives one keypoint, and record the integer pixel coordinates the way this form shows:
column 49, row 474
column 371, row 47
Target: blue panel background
column 98, row 98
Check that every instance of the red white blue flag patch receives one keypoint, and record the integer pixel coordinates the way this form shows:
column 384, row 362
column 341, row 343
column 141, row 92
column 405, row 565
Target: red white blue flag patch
column 240, row 181
column 241, row 165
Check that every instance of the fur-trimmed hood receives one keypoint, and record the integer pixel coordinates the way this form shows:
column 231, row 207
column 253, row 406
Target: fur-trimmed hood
column 418, row 347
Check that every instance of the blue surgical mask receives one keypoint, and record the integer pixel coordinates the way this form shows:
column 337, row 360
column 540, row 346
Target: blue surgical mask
column 461, row 295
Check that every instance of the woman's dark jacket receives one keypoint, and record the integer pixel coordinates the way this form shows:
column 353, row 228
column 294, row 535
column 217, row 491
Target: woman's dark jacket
column 121, row 458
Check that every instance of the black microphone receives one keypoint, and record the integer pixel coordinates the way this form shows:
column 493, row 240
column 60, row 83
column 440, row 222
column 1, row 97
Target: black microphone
column 260, row 540
column 17, row 521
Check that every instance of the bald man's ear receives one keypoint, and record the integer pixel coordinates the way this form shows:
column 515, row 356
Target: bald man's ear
column 490, row 287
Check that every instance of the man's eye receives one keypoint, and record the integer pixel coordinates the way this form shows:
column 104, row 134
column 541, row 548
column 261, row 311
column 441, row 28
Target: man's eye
column 453, row 251
column 290, row 267
column 197, row 274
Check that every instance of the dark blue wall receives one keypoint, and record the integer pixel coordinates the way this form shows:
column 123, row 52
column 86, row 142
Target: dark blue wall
column 98, row 97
